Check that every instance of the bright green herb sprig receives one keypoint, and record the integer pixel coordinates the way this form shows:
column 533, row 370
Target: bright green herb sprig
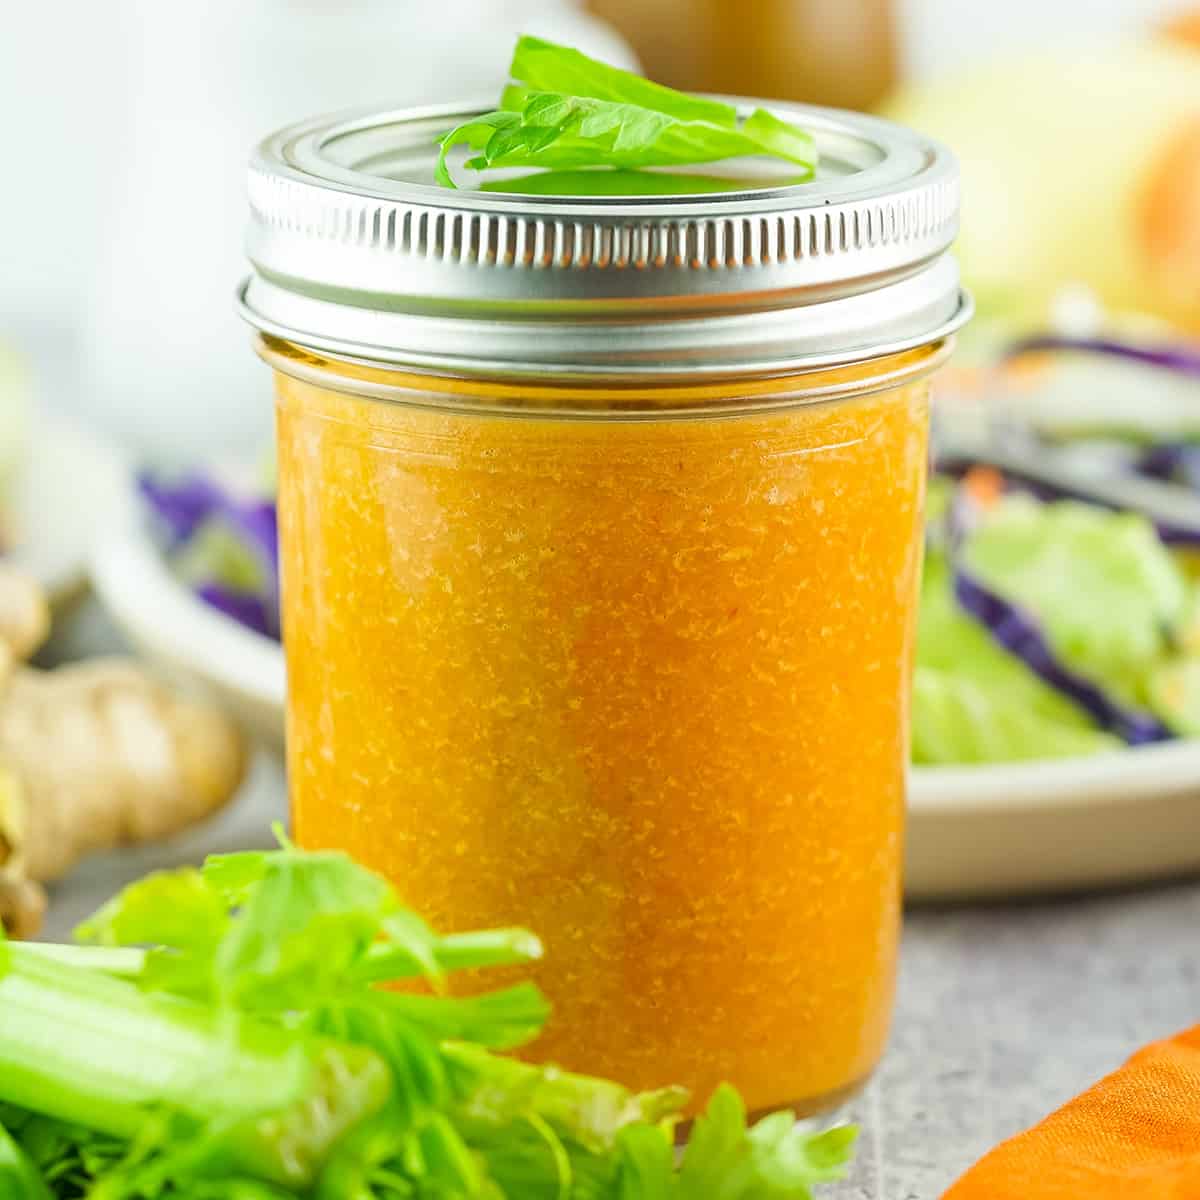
column 248, row 1054
column 567, row 111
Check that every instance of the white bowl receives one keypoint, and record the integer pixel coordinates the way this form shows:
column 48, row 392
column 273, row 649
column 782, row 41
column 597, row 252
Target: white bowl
column 988, row 831
column 189, row 641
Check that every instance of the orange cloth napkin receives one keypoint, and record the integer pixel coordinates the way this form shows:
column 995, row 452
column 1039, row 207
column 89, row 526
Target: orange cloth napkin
column 1134, row 1136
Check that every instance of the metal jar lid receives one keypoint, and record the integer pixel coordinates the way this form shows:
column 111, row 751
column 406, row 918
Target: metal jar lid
column 358, row 253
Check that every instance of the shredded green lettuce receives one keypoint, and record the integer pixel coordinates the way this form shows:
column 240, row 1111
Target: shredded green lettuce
column 216, row 552
column 974, row 702
column 1105, row 589
column 568, row 112
column 1116, row 605
column 1173, row 692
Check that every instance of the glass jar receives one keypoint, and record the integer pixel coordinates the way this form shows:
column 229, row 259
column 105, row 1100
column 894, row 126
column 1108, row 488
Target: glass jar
column 600, row 578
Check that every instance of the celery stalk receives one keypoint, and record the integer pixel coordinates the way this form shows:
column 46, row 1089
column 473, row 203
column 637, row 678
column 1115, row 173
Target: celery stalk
column 453, row 952
column 125, row 962
column 95, row 1051
column 250, row 1056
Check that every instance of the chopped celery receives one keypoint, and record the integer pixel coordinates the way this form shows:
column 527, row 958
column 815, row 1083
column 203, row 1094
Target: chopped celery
column 248, row 1054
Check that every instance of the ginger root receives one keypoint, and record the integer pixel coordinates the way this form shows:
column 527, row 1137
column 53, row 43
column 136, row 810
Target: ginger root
column 24, row 613
column 22, row 902
column 107, row 756
column 94, row 756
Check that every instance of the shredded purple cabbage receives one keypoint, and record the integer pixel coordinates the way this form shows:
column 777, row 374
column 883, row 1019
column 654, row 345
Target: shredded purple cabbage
column 1181, row 357
column 244, row 607
column 185, row 506
column 1178, row 463
column 1020, row 635
column 181, row 506
column 1177, row 535
column 1172, row 462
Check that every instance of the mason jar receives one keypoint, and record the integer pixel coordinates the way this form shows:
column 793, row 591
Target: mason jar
column 601, row 527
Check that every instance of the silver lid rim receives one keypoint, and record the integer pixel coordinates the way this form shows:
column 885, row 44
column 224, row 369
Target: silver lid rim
column 356, row 253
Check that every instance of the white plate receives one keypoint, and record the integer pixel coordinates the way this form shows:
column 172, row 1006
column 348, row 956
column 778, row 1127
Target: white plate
column 973, row 831
column 1117, row 818
column 68, row 489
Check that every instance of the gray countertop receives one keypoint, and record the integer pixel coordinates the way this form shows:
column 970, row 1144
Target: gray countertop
column 1004, row 1011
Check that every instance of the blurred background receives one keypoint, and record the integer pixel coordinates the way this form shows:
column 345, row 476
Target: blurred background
column 127, row 126
column 120, row 221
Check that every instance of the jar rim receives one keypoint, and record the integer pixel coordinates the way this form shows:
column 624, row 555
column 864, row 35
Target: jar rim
column 630, row 398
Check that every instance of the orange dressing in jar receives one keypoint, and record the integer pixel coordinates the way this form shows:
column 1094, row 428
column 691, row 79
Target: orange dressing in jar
column 606, row 633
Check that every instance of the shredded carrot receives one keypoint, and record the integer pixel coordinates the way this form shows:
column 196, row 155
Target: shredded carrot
column 1027, row 368
column 984, row 485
